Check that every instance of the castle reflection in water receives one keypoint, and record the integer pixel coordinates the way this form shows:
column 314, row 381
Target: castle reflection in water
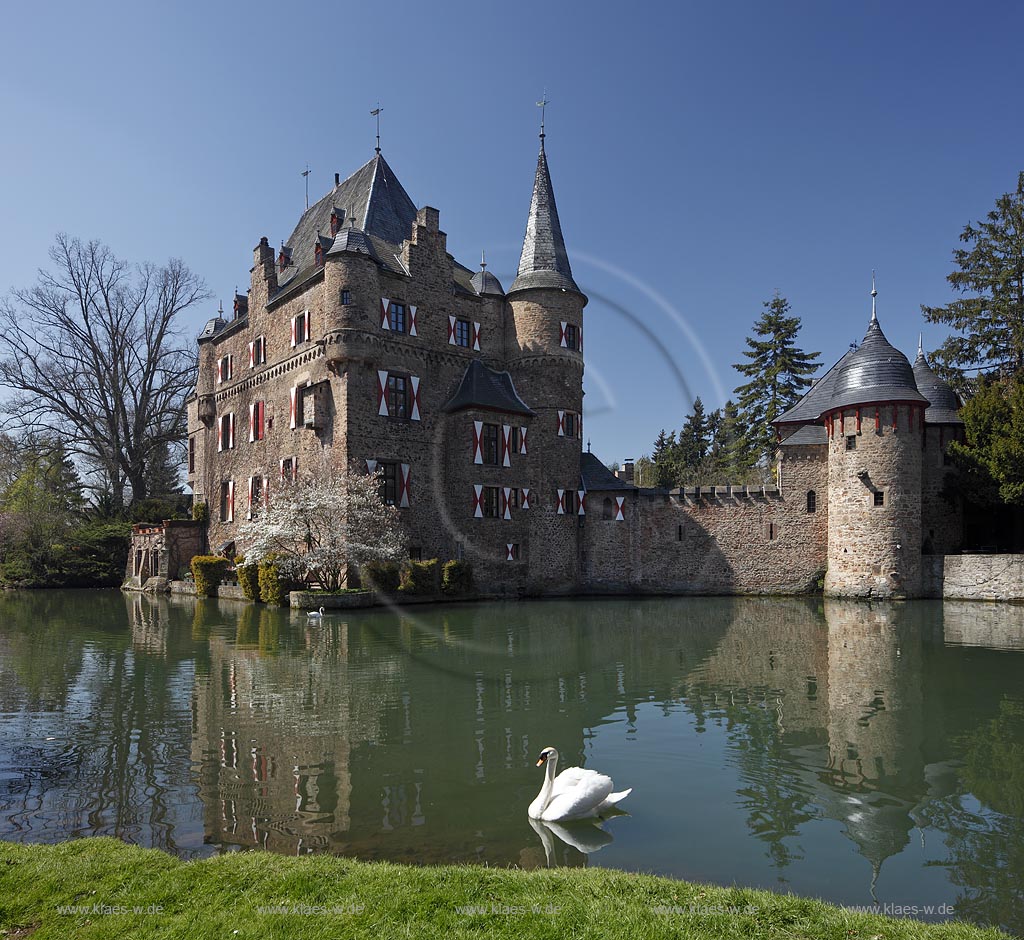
column 412, row 735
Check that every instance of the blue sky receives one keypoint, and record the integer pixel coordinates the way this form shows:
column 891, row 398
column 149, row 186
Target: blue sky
column 703, row 155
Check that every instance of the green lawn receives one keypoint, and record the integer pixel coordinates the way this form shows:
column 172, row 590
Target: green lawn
column 122, row 891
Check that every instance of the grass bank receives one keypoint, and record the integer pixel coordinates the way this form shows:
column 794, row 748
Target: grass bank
column 101, row 888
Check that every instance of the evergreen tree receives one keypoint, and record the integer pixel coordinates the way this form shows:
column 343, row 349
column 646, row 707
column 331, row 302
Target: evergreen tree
column 989, row 319
column 693, row 440
column 664, row 459
column 779, row 373
column 163, row 471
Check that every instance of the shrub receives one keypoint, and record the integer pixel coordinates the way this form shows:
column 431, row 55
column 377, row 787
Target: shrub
column 381, row 576
column 201, row 512
column 274, row 585
column 456, row 577
column 421, row 577
column 248, row 579
column 208, row 571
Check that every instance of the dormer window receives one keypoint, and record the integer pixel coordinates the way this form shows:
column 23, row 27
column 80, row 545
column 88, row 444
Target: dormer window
column 337, row 218
column 284, row 259
column 318, row 255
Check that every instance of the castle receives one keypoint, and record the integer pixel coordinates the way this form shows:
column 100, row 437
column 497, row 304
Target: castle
column 363, row 343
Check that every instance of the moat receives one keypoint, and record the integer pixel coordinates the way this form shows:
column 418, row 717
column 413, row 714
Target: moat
column 848, row 751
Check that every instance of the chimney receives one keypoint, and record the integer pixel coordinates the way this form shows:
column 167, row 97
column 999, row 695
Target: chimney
column 337, row 180
column 626, row 472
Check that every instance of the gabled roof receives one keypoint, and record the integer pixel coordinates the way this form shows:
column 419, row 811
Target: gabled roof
column 544, row 261
column 815, row 399
column 482, row 387
column 374, row 197
column 944, row 406
column 355, row 240
column 596, row 476
column 808, row 434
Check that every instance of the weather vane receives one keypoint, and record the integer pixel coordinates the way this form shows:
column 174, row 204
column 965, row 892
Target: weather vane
column 376, row 113
column 542, row 104
column 305, row 173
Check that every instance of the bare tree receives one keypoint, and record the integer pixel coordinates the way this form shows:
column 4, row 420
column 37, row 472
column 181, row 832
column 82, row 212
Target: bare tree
column 94, row 353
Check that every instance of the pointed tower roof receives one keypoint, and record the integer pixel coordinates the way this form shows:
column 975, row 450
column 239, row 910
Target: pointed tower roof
column 944, row 406
column 544, row 261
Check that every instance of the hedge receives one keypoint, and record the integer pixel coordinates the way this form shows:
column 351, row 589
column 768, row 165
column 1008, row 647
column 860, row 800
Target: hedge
column 421, row 577
column 381, row 576
column 248, row 579
column 208, row 570
column 274, row 586
column 456, row 577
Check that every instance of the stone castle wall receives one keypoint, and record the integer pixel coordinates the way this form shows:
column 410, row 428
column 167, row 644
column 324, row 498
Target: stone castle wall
column 974, row 577
column 942, row 514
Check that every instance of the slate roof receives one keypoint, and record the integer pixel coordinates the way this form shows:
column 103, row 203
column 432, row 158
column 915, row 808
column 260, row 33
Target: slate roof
column 875, row 371
column 482, row 387
column 544, row 261
column 213, row 327
column 596, row 476
column 380, row 206
column 355, row 240
column 944, row 406
column 486, row 283
column 808, row 434
column 815, row 399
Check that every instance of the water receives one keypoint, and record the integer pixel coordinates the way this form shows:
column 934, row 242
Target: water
column 836, row 749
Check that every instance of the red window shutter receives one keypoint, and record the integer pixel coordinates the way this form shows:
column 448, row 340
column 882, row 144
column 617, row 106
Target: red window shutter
column 478, row 501
column 252, row 353
column 382, row 393
column 561, row 503
column 524, row 501
column 506, row 445
column 293, row 394
column 561, row 424
column 451, row 331
column 252, row 426
column 293, row 332
column 248, row 511
column 371, row 466
column 506, row 498
column 220, row 433
column 231, row 500
column 414, row 410
column 476, row 337
column 403, row 497
column 412, row 320
column 385, row 305
column 305, row 327
column 581, row 496
column 522, row 441
column 281, row 464
column 619, row 515
column 478, row 451
column 561, row 337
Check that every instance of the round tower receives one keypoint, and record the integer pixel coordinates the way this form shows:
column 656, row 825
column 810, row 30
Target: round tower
column 942, row 513
column 545, row 345
column 875, row 424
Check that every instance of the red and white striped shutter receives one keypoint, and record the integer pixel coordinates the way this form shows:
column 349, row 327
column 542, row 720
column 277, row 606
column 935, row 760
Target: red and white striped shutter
column 403, row 498
column 220, row 433
column 385, row 303
column 231, row 500
column 451, row 330
column 561, row 502
column 510, row 551
column 582, row 496
column 478, row 501
column 414, row 411
column 506, row 498
column 619, row 514
column 305, row 326
column 252, row 354
column 281, row 464
column 382, row 393
column 412, row 320
column 524, row 502
column 476, row 337
column 561, row 338
column 292, row 403
column 371, row 466
column 561, row 424
column 293, row 331
column 252, row 423
column 231, row 430
column 248, row 510
column 478, row 450
column 522, row 441
column 220, row 371
column 506, row 445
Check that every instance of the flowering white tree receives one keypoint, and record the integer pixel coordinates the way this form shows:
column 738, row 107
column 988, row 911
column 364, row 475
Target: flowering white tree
column 317, row 528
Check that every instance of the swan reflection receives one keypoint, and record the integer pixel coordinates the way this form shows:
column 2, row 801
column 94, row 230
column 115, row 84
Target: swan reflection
column 585, row 836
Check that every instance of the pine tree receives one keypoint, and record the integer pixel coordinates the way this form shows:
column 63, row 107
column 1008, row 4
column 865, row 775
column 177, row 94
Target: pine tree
column 779, row 372
column 693, row 439
column 665, row 459
column 990, row 320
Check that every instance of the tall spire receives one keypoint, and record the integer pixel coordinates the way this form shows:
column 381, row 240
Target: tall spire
column 874, row 294
column 544, row 261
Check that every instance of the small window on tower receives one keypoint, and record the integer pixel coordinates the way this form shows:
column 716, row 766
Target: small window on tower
column 346, row 297
column 572, row 338
column 879, row 496
column 812, row 501
column 851, row 441
column 396, row 317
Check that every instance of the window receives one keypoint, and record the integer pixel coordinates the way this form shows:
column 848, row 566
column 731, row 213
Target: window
column 570, row 424
column 812, row 501
column 226, row 431
column 572, row 339
column 225, row 368
column 415, row 553
column 227, row 501
column 191, row 455
column 396, row 317
column 489, row 443
column 346, row 297
column 257, row 418
column 492, row 502
column 851, row 441
column 259, row 351
column 772, row 532
column 606, row 509
column 513, row 498
column 463, row 333
column 255, row 495
column 512, row 551
column 879, row 497
column 514, row 440
column 389, row 483
column 679, row 534
column 289, row 470
column 398, row 396
column 460, row 551
column 300, row 328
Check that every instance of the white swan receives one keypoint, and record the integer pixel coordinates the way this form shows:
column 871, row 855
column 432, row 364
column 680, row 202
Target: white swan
column 574, row 794
column 315, row 614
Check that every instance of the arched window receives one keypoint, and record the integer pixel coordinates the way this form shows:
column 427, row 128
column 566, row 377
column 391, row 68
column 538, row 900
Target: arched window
column 606, row 508
column 812, row 501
